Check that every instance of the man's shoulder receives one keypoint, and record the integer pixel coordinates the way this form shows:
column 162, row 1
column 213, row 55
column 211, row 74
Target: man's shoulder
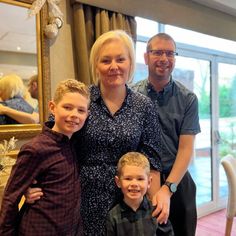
column 183, row 90
column 140, row 85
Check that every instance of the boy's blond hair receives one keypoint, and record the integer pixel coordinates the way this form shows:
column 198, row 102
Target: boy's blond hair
column 133, row 159
column 70, row 86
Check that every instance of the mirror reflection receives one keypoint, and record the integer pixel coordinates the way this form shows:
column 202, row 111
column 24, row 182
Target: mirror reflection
column 18, row 66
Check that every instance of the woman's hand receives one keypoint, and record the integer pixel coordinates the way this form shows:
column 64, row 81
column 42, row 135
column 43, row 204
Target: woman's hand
column 33, row 194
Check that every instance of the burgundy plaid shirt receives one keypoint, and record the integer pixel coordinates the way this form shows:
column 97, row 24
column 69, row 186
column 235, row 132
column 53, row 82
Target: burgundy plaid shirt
column 49, row 159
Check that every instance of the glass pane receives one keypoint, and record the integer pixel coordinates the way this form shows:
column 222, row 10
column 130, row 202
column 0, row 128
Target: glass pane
column 146, row 27
column 227, row 117
column 195, row 75
column 198, row 39
column 141, row 69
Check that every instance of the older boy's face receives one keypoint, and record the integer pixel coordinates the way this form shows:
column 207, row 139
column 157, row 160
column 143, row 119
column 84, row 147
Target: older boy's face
column 134, row 183
column 70, row 113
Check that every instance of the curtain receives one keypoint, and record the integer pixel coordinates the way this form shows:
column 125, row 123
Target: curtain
column 89, row 23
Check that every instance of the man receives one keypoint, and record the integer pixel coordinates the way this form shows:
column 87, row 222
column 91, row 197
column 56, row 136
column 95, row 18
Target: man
column 178, row 114
column 33, row 86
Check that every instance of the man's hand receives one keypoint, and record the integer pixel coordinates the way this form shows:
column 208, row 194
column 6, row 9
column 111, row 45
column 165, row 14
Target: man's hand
column 162, row 202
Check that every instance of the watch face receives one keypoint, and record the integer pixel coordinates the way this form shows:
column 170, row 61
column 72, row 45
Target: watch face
column 173, row 187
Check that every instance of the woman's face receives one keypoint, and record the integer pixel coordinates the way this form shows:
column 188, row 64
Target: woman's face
column 113, row 67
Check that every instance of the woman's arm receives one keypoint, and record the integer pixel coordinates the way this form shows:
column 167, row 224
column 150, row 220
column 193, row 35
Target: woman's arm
column 33, row 194
column 20, row 116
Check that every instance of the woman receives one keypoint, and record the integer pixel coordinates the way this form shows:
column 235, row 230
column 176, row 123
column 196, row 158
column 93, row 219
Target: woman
column 12, row 91
column 120, row 121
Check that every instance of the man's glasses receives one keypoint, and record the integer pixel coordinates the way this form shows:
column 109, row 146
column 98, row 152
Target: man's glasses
column 159, row 53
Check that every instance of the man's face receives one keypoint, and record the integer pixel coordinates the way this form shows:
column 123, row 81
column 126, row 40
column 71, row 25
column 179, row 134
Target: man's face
column 160, row 58
column 33, row 89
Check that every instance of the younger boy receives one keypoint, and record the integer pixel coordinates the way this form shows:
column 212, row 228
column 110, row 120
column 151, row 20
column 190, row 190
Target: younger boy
column 49, row 159
column 133, row 216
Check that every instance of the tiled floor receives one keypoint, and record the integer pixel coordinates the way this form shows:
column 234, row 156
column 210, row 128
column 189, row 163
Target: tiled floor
column 214, row 224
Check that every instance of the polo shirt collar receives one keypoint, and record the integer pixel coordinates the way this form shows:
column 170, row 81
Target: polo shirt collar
column 166, row 89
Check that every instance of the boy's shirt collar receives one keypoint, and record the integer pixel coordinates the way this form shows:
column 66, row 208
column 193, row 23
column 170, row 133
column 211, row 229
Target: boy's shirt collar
column 58, row 137
column 144, row 205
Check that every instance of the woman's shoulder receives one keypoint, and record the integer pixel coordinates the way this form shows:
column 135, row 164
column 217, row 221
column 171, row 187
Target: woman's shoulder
column 140, row 98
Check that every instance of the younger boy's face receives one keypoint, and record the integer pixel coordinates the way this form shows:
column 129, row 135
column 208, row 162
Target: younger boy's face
column 134, row 183
column 70, row 113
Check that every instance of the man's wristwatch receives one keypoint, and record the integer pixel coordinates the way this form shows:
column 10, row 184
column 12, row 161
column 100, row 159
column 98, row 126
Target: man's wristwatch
column 172, row 186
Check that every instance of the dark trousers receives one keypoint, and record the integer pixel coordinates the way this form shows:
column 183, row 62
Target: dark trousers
column 183, row 212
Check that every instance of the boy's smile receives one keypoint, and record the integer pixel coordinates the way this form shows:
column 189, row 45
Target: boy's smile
column 70, row 113
column 134, row 183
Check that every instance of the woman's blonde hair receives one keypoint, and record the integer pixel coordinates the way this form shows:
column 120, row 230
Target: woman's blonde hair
column 11, row 86
column 70, row 86
column 107, row 38
column 133, row 159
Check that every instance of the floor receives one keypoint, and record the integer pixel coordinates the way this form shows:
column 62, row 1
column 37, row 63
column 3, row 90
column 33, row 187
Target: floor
column 214, row 225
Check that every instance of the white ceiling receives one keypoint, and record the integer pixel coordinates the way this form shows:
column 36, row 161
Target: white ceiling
column 16, row 29
column 17, row 34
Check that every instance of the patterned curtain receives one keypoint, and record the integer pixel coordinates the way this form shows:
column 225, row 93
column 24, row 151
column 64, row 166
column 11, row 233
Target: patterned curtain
column 89, row 23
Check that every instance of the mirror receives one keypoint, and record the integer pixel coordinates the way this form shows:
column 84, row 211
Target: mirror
column 24, row 50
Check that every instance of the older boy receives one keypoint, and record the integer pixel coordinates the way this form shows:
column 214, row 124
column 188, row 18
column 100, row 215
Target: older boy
column 49, row 159
column 133, row 216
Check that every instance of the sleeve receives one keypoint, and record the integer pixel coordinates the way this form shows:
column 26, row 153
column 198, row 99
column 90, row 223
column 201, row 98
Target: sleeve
column 110, row 226
column 190, row 123
column 151, row 141
column 21, row 177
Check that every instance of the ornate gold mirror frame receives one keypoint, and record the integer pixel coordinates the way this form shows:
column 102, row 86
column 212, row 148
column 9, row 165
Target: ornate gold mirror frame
column 24, row 131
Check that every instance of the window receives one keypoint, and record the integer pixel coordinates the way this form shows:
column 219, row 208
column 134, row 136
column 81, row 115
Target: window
column 201, row 40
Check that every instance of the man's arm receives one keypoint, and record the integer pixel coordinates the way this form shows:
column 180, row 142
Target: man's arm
column 180, row 167
column 20, row 116
column 183, row 158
